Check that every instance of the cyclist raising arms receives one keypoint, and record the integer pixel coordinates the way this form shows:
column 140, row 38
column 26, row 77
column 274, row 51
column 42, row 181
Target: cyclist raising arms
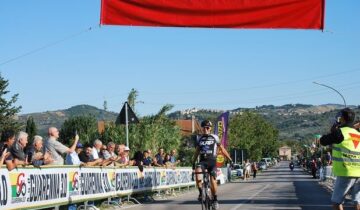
column 208, row 146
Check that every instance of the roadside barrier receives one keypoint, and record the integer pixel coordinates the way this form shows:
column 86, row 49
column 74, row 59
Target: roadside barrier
column 51, row 186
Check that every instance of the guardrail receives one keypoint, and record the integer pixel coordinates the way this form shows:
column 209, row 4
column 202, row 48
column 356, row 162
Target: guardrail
column 50, row 186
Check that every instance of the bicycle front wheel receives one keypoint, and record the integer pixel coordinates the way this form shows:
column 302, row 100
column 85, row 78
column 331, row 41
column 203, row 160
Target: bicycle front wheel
column 208, row 202
column 203, row 199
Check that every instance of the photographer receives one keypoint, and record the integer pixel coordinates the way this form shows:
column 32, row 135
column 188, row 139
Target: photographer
column 346, row 158
column 57, row 149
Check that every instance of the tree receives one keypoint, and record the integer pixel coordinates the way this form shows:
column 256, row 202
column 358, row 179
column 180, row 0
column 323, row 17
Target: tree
column 113, row 133
column 7, row 108
column 251, row 132
column 132, row 98
column 85, row 126
column 153, row 132
column 159, row 131
column 31, row 129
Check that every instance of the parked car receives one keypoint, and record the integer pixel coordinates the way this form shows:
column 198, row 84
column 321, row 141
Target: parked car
column 267, row 161
column 237, row 170
column 262, row 165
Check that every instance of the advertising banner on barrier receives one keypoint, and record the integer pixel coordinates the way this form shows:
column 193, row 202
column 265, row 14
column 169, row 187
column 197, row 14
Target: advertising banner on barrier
column 132, row 180
column 34, row 187
column 28, row 187
column 91, row 183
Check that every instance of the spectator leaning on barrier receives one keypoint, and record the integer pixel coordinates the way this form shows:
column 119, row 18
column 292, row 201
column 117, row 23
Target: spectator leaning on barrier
column 126, row 158
column 7, row 140
column 166, row 161
column 96, row 149
column 56, row 148
column 40, row 156
column 86, row 157
column 123, row 156
column 17, row 153
column 138, row 158
column 173, row 159
column 120, row 150
column 159, row 158
column 345, row 157
column 147, row 159
column 109, row 154
column 150, row 153
column 72, row 158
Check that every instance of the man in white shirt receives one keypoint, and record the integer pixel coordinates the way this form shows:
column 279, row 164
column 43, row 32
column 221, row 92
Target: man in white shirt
column 96, row 149
column 73, row 157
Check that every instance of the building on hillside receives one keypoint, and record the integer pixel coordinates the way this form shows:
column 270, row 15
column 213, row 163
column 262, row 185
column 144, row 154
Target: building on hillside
column 189, row 127
column 285, row 153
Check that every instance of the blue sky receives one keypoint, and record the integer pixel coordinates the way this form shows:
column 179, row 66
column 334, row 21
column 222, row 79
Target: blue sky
column 203, row 68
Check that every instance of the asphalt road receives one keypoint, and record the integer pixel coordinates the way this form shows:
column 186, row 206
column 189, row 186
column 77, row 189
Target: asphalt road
column 275, row 188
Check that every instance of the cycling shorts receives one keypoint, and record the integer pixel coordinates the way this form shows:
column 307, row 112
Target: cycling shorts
column 210, row 165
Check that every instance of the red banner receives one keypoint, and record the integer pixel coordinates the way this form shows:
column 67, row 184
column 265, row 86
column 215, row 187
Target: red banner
column 277, row 14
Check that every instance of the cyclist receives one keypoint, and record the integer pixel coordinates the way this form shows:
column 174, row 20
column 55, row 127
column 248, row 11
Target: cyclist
column 207, row 147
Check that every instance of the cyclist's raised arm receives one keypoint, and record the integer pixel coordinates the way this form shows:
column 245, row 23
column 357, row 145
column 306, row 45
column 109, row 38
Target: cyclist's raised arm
column 223, row 150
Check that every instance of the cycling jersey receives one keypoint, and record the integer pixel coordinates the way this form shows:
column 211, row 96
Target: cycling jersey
column 208, row 144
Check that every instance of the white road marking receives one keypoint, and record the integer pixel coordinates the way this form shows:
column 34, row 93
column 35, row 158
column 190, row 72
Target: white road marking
column 250, row 198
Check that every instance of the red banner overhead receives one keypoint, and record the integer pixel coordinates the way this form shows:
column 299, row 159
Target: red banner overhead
column 285, row 14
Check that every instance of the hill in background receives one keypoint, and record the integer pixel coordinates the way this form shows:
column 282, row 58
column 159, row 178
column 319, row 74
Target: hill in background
column 44, row 120
column 294, row 121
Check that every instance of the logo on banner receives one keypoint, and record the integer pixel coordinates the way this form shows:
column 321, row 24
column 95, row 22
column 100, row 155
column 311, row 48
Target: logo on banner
column 74, row 183
column 18, row 187
column 163, row 177
column 112, row 179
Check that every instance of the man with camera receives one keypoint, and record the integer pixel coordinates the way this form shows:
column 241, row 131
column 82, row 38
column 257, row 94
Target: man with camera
column 346, row 158
column 57, row 149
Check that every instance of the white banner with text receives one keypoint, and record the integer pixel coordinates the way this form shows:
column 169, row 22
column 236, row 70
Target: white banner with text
column 51, row 186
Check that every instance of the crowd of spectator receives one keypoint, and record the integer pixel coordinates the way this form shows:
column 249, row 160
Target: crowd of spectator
column 49, row 151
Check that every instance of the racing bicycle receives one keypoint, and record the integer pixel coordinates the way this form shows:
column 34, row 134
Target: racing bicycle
column 206, row 201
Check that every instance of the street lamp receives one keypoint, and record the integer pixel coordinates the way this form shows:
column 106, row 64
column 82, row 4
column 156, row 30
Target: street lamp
column 333, row 90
